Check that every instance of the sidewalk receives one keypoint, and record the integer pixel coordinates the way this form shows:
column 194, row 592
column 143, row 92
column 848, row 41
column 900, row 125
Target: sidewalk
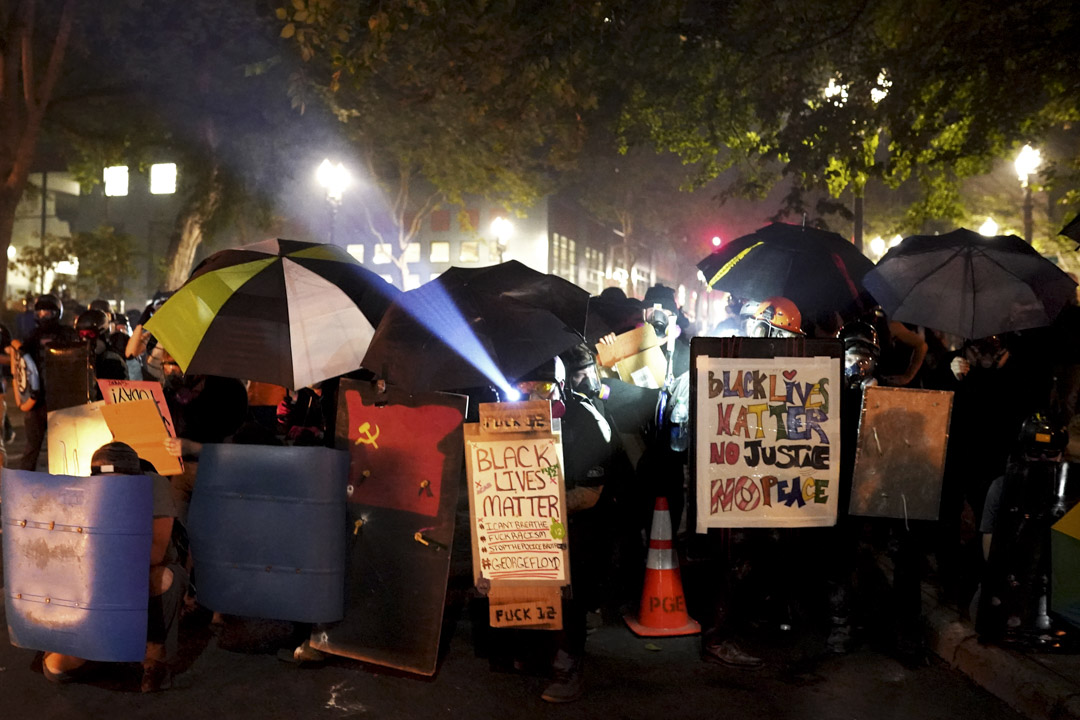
column 1042, row 686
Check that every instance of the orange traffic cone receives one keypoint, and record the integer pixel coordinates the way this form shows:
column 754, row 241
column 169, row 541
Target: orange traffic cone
column 663, row 605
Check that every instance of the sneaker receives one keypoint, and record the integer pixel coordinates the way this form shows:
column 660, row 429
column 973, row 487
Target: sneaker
column 156, row 676
column 569, row 682
column 729, row 654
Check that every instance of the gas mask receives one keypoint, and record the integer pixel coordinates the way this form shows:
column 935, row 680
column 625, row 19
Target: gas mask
column 586, row 381
column 859, row 366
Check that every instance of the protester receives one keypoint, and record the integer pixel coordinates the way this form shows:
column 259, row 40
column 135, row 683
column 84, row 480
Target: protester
column 49, row 331
column 591, row 454
column 93, row 329
column 168, row 580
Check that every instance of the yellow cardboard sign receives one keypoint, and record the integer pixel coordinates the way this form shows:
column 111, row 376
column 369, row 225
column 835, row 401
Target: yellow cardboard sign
column 138, row 423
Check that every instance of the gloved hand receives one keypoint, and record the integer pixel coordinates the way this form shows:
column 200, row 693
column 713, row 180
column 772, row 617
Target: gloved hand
column 959, row 367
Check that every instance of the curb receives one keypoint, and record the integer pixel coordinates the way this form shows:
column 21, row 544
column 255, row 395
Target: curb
column 1021, row 680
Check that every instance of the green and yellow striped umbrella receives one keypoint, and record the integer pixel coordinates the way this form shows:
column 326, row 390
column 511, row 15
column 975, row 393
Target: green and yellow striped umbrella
column 280, row 311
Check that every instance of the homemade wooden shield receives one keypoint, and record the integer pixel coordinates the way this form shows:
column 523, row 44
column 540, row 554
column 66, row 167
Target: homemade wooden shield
column 765, row 432
column 405, row 459
column 267, row 528
column 903, row 435
column 74, row 434
column 68, row 369
column 77, row 563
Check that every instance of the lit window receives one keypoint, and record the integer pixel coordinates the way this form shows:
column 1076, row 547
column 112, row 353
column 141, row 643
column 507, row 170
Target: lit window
column 412, row 252
column 357, row 251
column 67, row 267
column 440, row 252
column 434, row 275
column 382, row 254
column 163, row 179
column 116, row 181
column 470, row 252
column 411, row 281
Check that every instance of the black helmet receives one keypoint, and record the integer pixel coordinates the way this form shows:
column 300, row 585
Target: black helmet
column 50, row 304
column 103, row 305
column 92, row 323
column 861, row 353
column 1042, row 438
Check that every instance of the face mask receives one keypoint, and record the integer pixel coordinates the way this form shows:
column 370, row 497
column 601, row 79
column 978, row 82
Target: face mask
column 588, row 384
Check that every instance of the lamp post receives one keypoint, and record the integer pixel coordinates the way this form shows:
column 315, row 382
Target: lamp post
column 334, row 179
column 1027, row 162
column 502, row 229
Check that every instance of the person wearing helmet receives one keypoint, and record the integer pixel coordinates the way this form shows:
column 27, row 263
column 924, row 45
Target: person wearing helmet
column 168, row 578
column 590, row 449
column 776, row 317
column 49, row 331
column 1020, row 508
column 861, row 353
column 93, row 328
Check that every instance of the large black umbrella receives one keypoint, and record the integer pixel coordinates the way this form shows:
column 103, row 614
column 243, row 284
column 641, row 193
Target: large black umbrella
column 473, row 327
column 969, row 285
column 819, row 271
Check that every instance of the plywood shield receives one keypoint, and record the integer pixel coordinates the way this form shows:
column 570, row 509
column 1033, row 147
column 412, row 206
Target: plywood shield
column 68, row 369
column 404, row 473
column 903, row 435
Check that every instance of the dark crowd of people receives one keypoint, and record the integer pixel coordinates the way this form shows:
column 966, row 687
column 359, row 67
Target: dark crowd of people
column 625, row 444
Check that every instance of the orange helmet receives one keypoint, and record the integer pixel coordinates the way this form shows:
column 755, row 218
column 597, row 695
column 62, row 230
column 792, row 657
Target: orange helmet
column 781, row 315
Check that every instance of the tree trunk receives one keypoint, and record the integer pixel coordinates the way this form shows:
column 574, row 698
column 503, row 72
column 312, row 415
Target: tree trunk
column 189, row 235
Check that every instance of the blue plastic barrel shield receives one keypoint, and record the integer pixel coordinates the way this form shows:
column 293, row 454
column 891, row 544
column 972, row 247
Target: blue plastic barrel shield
column 77, row 563
column 267, row 529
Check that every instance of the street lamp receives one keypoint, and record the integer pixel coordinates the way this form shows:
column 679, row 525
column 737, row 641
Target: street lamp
column 502, row 229
column 334, row 179
column 1027, row 162
column 989, row 228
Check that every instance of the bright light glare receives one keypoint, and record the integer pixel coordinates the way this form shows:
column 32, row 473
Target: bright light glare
column 116, row 181
column 334, row 178
column 163, row 179
column 716, row 241
column 432, row 307
column 877, row 245
column 502, row 229
column 837, row 93
column 1027, row 162
column 513, row 395
column 989, row 228
column 897, row 239
column 11, row 252
column 879, row 93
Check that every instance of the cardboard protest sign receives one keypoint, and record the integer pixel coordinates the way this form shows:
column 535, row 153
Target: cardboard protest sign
column 636, row 357
column 517, row 503
column 74, row 434
column 766, row 439
column 118, row 391
column 139, row 424
column 405, row 458
column 900, row 459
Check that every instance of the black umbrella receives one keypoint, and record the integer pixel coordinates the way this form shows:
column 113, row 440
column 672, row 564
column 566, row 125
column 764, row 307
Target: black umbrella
column 473, row 327
column 969, row 285
column 819, row 271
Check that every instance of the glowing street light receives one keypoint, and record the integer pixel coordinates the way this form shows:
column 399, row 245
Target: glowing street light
column 334, row 179
column 989, row 228
column 716, row 241
column 502, row 229
column 1026, row 164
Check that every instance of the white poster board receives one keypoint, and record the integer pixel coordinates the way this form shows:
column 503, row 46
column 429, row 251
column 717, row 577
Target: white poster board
column 767, row 441
column 517, row 499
